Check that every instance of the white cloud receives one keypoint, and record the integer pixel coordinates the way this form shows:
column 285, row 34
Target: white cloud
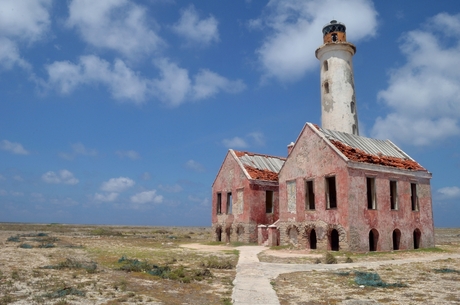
column 130, row 154
column 196, row 31
column 117, row 185
column 63, row 176
column 174, row 86
column 119, row 25
column 449, row 192
column 21, row 21
column 14, row 148
column 109, row 197
column 208, row 83
column 147, row 197
column 204, row 202
column 294, row 27
column 255, row 138
column 24, row 20
column 194, row 166
column 424, row 94
column 176, row 188
column 236, row 142
column 146, row 176
column 122, row 82
column 78, row 149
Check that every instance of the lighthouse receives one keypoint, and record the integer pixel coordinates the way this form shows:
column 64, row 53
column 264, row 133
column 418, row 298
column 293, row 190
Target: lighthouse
column 338, row 101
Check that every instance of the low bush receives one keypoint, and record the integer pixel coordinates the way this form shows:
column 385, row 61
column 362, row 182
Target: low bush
column 25, row 246
column 372, row 279
column 330, row 258
column 446, row 270
column 13, row 239
column 215, row 262
column 69, row 263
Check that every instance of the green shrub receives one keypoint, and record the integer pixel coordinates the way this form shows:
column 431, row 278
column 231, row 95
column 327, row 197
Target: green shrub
column 330, row 259
column 349, row 260
column 372, row 279
column 13, row 239
column 446, row 270
column 215, row 262
column 25, row 246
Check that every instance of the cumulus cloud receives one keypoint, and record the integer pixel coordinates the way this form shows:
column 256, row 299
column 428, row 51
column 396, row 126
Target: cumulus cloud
column 12, row 147
column 208, row 83
column 172, row 87
column 109, row 197
column 194, row 166
column 63, row 176
column 147, row 197
column 449, row 192
column 117, row 185
column 21, row 21
column 130, row 154
column 78, row 149
column 423, row 95
column 122, row 82
column 119, row 25
column 235, row 142
column 293, row 26
column 195, row 31
column 253, row 138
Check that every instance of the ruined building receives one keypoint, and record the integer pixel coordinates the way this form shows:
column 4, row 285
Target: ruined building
column 335, row 190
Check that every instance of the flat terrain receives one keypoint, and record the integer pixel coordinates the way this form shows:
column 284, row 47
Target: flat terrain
column 72, row 264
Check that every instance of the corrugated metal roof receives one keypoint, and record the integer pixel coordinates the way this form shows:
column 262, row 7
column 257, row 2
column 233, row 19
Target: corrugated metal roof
column 262, row 162
column 368, row 145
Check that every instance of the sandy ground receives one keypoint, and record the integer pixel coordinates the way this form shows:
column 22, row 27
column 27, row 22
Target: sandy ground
column 25, row 278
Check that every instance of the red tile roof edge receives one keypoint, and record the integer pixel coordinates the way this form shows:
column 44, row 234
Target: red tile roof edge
column 242, row 153
column 359, row 155
column 261, row 174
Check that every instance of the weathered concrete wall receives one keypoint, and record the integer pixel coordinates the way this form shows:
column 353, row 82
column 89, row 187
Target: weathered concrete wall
column 383, row 218
column 312, row 159
column 248, row 197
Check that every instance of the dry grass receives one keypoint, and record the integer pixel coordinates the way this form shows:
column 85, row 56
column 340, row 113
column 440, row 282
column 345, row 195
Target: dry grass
column 434, row 282
column 83, row 266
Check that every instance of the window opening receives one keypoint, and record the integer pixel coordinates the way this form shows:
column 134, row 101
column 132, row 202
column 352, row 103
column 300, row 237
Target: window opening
column 354, row 129
column 393, row 195
column 219, row 203
column 352, row 107
column 373, row 239
column 326, row 65
column 219, row 234
column 313, row 239
column 334, row 37
column 331, row 193
column 413, row 196
column 371, row 201
column 326, row 87
column 334, row 240
column 309, row 195
column 268, row 202
column 229, row 203
column 417, row 236
column 396, row 239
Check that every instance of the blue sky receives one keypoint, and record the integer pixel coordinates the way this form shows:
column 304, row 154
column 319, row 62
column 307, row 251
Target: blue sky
column 121, row 111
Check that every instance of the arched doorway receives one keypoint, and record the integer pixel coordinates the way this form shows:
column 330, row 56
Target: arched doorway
column 373, row 239
column 417, row 236
column 396, row 236
column 312, row 239
column 334, row 240
column 218, row 234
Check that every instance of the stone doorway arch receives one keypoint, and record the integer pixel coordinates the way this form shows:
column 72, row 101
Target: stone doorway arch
column 373, row 239
column 396, row 237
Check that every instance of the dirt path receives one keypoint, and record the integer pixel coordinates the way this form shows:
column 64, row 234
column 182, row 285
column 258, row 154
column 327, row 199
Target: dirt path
column 252, row 281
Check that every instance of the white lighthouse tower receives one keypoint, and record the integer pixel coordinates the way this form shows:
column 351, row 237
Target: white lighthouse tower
column 338, row 102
